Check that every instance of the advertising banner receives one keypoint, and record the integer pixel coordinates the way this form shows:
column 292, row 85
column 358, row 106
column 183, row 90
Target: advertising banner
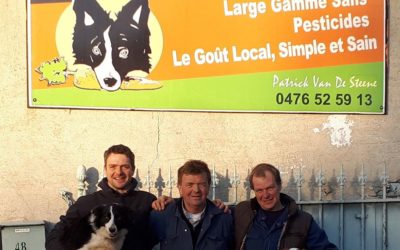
column 308, row 56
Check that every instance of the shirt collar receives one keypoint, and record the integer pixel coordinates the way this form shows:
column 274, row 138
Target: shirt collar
column 194, row 219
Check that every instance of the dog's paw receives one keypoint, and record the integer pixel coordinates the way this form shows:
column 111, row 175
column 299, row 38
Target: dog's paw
column 140, row 83
column 85, row 78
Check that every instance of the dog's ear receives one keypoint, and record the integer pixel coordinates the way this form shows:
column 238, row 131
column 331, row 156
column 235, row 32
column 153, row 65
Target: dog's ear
column 91, row 22
column 89, row 12
column 132, row 25
column 136, row 12
column 97, row 211
column 98, row 208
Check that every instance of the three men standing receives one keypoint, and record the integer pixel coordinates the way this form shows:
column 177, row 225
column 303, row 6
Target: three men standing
column 271, row 220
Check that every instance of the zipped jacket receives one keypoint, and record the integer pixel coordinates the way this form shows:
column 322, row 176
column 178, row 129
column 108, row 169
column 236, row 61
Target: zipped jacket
column 139, row 201
column 173, row 233
column 293, row 229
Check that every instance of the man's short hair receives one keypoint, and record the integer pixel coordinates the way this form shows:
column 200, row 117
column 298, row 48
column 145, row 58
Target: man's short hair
column 194, row 167
column 120, row 149
column 259, row 171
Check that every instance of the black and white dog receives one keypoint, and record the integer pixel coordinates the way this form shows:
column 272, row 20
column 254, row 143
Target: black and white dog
column 113, row 48
column 104, row 228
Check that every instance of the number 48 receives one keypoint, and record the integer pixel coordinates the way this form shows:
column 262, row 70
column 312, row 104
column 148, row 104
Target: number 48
column 20, row 246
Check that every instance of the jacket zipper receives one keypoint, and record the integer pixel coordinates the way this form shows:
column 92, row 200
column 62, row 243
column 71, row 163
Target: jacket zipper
column 281, row 236
column 247, row 230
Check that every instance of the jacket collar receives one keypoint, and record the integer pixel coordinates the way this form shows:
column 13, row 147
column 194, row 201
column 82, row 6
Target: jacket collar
column 211, row 209
column 286, row 201
column 131, row 186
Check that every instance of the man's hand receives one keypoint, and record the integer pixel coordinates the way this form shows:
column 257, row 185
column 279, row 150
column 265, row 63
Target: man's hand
column 220, row 204
column 161, row 202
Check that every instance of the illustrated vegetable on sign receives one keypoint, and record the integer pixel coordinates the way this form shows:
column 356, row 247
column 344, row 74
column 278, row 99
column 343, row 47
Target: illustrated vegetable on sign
column 54, row 71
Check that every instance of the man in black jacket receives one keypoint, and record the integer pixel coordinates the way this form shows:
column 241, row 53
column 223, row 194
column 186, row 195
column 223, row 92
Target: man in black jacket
column 117, row 187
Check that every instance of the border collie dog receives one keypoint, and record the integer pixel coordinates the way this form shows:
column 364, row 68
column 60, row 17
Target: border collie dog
column 112, row 48
column 104, row 228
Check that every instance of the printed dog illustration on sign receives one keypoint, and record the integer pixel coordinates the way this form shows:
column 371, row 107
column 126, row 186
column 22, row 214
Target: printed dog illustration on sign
column 112, row 48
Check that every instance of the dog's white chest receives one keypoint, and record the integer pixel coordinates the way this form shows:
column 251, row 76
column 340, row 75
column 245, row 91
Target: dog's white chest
column 98, row 242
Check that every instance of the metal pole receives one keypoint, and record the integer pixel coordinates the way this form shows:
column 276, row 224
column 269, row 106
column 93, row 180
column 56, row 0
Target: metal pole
column 171, row 181
column 320, row 181
column 362, row 179
column 299, row 180
column 81, row 177
column 384, row 179
column 214, row 182
column 235, row 181
column 341, row 179
column 148, row 182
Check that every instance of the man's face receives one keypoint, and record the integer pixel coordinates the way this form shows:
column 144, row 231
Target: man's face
column 267, row 192
column 194, row 190
column 118, row 171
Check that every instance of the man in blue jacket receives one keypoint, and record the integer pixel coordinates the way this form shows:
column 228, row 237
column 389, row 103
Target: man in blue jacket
column 272, row 220
column 193, row 221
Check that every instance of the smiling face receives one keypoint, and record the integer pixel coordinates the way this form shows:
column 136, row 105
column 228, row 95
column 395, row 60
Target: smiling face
column 194, row 190
column 119, row 171
column 267, row 192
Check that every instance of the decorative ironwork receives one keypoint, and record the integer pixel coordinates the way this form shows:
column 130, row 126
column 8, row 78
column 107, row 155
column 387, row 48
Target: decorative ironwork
column 148, row 182
column 214, row 182
column 81, row 177
column 234, row 180
column 170, row 183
